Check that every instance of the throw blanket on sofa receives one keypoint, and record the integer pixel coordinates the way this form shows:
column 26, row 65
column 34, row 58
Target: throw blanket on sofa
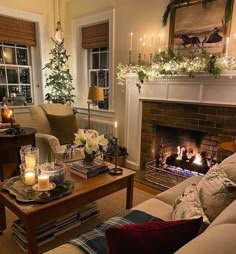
column 94, row 241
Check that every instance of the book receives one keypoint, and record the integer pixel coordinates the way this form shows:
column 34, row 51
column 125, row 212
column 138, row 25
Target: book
column 80, row 165
column 89, row 175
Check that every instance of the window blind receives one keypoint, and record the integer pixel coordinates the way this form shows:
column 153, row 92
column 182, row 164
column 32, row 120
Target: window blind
column 96, row 36
column 17, row 31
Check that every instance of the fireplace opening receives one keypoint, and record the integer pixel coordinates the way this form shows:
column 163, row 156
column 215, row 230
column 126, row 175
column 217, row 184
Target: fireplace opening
column 180, row 153
column 186, row 149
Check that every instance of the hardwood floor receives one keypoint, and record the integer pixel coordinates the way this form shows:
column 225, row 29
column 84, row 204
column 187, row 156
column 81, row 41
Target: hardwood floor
column 146, row 188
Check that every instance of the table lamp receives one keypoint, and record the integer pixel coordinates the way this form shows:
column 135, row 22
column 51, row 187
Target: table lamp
column 95, row 94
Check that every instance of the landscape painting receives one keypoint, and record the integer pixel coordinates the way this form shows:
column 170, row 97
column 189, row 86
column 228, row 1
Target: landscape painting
column 197, row 28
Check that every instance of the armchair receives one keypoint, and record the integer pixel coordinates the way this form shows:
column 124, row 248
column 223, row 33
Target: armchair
column 47, row 142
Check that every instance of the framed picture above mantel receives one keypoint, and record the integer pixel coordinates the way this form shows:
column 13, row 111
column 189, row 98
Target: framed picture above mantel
column 193, row 27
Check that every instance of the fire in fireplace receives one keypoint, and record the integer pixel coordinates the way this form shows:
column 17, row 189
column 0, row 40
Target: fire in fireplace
column 186, row 149
column 181, row 153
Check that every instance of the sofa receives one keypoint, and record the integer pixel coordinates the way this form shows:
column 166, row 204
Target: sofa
column 218, row 237
column 43, row 116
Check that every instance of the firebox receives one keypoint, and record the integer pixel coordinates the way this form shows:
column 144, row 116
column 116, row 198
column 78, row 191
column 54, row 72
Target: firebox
column 186, row 149
column 179, row 140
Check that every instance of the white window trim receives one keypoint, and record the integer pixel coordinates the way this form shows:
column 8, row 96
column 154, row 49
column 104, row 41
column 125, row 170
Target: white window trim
column 38, row 54
column 80, row 60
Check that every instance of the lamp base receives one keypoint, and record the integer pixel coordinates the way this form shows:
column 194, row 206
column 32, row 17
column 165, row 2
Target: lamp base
column 116, row 171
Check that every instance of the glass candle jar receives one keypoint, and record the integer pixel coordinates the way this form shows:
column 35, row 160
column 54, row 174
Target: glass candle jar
column 56, row 172
column 29, row 158
column 29, row 177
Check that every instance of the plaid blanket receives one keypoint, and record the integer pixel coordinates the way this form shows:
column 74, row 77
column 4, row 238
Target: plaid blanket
column 94, row 241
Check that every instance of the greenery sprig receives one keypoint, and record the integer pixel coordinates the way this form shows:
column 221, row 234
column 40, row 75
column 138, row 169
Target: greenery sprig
column 171, row 62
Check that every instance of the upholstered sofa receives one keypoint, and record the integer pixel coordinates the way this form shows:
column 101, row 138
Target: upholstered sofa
column 46, row 141
column 218, row 238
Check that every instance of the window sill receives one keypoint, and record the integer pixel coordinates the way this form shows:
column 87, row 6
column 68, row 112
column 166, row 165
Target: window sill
column 96, row 112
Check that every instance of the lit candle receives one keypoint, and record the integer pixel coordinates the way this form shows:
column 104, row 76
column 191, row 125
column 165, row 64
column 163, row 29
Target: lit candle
column 152, row 43
column 30, row 161
column 116, row 129
column 43, row 182
column 235, row 45
column 140, row 45
column 159, row 43
column 30, row 178
column 131, row 42
column 227, row 47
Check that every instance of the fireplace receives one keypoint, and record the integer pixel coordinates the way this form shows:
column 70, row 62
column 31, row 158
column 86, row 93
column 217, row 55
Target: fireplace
column 186, row 149
column 174, row 135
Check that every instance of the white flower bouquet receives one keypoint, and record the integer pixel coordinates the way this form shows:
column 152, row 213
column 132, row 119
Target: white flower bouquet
column 90, row 142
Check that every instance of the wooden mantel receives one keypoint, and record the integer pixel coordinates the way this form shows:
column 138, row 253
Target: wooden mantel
column 202, row 89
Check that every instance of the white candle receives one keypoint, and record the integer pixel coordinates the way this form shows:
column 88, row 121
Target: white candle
column 116, row 129
column 152, row 43
column 30, row 161
column 235, row 45
column 43, row 182
column 227, row 47
column 30, row 178
column 131, row 42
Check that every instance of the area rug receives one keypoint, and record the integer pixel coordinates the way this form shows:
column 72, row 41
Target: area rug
column 108, row 206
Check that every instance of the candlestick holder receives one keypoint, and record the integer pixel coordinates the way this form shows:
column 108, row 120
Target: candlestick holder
column 130, row 56
column 139, row 58
column 116, row 170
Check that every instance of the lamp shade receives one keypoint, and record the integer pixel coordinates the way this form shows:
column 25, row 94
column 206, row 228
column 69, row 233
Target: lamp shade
column 96, row 93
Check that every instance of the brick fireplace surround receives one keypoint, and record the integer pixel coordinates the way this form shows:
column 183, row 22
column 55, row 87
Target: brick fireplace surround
column 203, row 103
column 219, row 122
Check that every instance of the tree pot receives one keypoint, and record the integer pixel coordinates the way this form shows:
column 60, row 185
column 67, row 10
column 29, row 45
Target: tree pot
column 112, row 159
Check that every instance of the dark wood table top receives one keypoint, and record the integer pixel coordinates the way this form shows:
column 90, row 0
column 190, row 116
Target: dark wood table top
column 82, row 187
column 25, row 132
column 228, row 146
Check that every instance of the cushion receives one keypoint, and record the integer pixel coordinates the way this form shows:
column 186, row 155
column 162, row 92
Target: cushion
column 216, row 192
column 152, row 237
column 188, row 206
column 63, row 127
column 228, row 165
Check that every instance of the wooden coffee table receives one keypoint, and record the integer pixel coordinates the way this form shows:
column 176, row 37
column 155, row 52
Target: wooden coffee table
column 84, row 192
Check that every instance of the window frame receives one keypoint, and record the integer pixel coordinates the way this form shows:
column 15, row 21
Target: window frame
column 80, row 62
column 18, row 67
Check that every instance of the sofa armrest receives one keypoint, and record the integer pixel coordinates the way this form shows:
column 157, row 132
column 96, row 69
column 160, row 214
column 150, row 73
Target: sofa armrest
column 169, row 196
column 48, row 145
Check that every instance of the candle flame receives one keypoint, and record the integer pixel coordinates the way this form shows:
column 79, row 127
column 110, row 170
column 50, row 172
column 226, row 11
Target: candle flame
column 131, row 34
column 115, row 124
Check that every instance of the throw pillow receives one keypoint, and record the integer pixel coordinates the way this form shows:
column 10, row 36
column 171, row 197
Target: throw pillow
column 228, row 165
column 152, row 237
column 188, row 206
column 63, row 127
column 216, row 191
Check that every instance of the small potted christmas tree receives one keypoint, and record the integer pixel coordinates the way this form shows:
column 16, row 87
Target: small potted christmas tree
column 114, row 150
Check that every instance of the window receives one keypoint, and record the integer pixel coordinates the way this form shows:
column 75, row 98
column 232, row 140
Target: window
column 15, row 71
column 99, row 72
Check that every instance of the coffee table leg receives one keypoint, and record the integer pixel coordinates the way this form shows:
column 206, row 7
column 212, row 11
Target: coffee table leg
column 129, row 194
column 32, row 239
column 2, row 217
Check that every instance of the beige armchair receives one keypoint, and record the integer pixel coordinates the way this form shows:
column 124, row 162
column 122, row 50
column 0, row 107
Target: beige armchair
column 47, row 143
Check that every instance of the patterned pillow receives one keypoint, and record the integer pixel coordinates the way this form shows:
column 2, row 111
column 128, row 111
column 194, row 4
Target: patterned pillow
column 216, row 191
column 188, row 206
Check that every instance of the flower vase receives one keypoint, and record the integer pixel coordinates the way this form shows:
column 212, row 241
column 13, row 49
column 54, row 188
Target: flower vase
column 89, row 158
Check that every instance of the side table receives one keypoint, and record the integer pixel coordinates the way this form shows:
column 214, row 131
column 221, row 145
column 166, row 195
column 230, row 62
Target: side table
column 9, row 150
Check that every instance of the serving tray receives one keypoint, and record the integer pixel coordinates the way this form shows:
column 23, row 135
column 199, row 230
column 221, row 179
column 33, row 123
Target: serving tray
column 26, row 194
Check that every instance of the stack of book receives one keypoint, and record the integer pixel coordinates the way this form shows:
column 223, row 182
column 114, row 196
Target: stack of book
column 87, row 171
column 50, row 230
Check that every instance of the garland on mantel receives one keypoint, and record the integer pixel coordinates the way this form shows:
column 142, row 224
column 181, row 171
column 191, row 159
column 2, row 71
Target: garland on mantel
column 173, row 63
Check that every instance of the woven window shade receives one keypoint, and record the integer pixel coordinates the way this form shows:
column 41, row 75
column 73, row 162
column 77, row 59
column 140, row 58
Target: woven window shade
column 96, row 36
column 17, row 31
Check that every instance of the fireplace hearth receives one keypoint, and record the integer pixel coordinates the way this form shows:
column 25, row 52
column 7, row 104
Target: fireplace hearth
column 179, row 140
